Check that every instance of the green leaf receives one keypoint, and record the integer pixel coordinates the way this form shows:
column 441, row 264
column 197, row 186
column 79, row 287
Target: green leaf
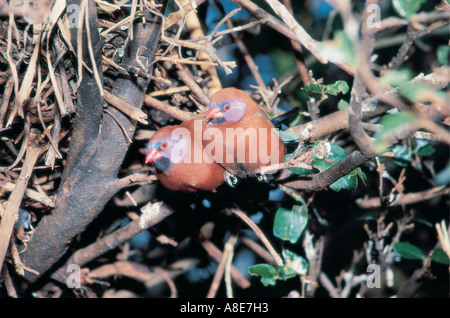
column 402, row 155
column 408, row 251
column 331, row 89
column 315, row 88
column 347, row 182
column 335, row 154
column 295, row 262
column 337, row 87
column 392, row 125
column 361, row 175
column 422, row 221
column 289, row 137
column 299, row 171
column 343, row 104
column 296, row 120
column 406, row 8
column 396, row 78
column 338, row 50
column 439, row 256
column 286, row 272
column 289, row 223
column 443, row 52
column 267, row 273
column 422, row 93
column 283, row 60
column 424, row 148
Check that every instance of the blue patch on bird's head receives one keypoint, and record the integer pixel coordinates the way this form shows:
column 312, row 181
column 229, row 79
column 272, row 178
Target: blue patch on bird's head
column 173, row 148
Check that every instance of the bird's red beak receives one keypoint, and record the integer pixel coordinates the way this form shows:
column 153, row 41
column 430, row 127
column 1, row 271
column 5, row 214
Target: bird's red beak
column 152, row 155
column 215, row 112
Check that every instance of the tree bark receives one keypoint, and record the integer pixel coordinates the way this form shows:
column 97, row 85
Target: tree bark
column 97, row 149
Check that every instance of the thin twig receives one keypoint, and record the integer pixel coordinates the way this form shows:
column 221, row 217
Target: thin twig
column 260, row 234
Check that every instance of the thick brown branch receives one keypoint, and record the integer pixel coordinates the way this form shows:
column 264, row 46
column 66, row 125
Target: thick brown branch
column 85, row 189
column 360, row 137
column 324, row 179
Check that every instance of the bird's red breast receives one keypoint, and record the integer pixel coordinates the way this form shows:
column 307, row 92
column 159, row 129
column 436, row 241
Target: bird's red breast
column 178, row 155
column 247, row 140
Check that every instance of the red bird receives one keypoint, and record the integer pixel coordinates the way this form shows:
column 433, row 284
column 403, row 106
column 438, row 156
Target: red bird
column 181, row 164
column 239, row 134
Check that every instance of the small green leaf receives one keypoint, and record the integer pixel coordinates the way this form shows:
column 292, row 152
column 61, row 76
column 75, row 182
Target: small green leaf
column 267, row 273
column 289, row 223
column 331, row 89
column 408, row 251
column 315, row 88
column 424, row 148
column 343, row 104
column 336, row 153
column 406, row 8
column 295, row 262
column 443, row 52
column 402, row 155
column 299, row 171
column 338, row 50
column 284, row 62
column 422, row 221
column 439, row 256
column 392, row 125
column 422, row 93
column 288, row 137
column 396, row 78
column 337, row 87
column 296, row 120
column 347, row 182
column 285, row 272
column 361, row 175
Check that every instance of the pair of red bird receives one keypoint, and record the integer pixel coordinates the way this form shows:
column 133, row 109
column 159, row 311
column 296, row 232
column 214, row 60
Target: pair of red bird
column 235, row 136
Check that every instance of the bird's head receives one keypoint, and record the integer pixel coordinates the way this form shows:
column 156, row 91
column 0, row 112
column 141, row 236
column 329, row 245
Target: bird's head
column 228, row 105
column 166, row 148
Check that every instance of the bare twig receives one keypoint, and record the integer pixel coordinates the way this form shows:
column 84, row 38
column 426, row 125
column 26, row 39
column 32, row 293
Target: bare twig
column 222, row 265
column 215, row 253
column 409, row 198
column 12, row 208
column 134, row 112
column 260, row 234
column 165, row 107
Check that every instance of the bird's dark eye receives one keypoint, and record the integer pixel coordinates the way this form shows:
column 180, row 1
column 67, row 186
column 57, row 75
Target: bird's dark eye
column 164, row 145
column 226, row 107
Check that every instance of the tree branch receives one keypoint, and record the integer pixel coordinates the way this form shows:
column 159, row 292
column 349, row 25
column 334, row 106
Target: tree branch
column 85, row 189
